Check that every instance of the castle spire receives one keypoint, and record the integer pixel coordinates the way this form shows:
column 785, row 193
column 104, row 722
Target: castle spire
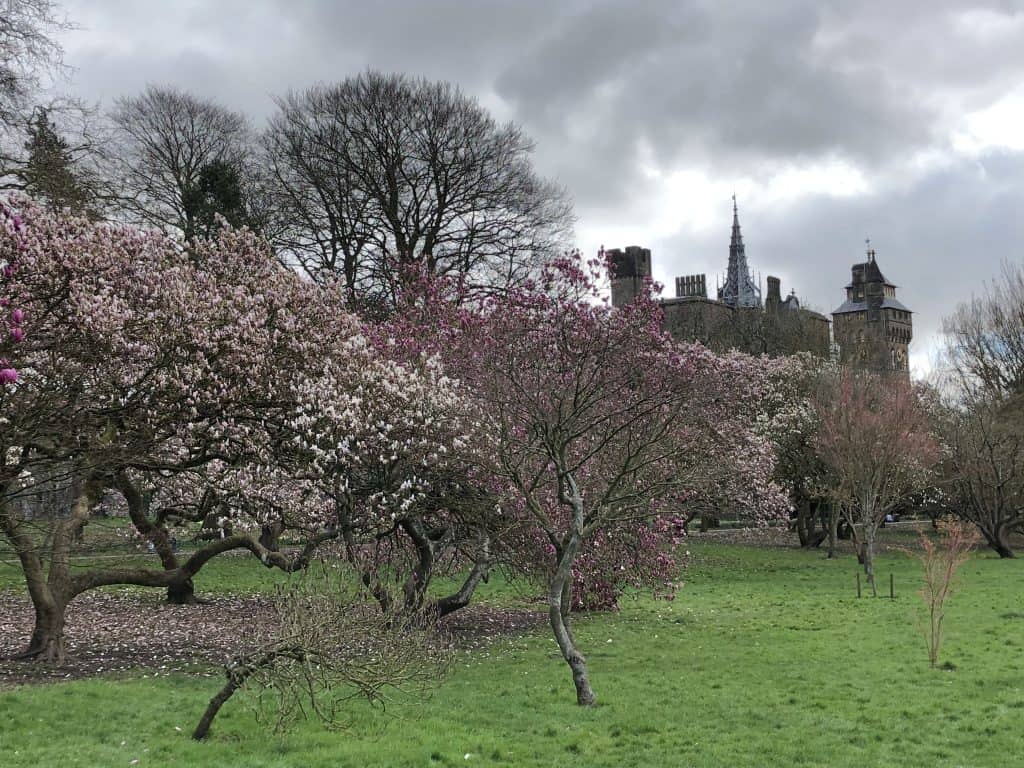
column 737, row 237
column 739, row 289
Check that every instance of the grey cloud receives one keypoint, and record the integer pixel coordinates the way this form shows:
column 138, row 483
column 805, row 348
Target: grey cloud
column 738, row 90
column 741, row 88
column 736, row 87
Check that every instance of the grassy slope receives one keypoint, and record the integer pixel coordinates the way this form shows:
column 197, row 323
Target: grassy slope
column 765, row 658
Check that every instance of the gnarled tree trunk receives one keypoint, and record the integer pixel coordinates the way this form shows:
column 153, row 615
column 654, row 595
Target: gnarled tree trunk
column 559, row 592
column 181, row 592
column 415, row 587
column 52, row 589
column 805, row 522
column 47, row 643
column 237, row 671
column 427, row 544
column 479, row 573
column 999, row 540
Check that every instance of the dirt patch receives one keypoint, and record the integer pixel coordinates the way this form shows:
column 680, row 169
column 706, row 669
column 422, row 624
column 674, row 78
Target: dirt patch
column 476, row 626
column 113, row 633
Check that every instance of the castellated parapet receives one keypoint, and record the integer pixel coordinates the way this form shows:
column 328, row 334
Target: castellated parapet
column 692, row 286
column 631, row 270
column 736, row 319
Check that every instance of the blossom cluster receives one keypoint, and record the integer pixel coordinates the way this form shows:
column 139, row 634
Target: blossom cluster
column 599, row 427
column 211, row 376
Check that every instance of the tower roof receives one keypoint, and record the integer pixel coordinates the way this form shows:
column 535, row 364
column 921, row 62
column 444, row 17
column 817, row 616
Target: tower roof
column 849, row 306
column 870, row 271
column 864, row 273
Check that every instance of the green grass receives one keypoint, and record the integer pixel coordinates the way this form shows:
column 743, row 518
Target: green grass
column 228, row 574
column 236, row 573
column 766, row 657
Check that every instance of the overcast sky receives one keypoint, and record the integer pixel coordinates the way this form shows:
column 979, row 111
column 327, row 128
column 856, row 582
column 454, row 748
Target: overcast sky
column 832, row 120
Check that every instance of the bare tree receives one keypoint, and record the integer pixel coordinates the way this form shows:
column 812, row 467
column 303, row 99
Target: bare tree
column 984, row 467
column 983, row 428
column 168, row 139
column 876, row 445
column 985, row 338
column 381, row 172
column 28, row 50
column 940, row 564
column 331, row 645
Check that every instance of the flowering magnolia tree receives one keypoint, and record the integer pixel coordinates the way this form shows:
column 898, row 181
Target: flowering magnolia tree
column 453, row 525
column 601, row 432
column 390, row 462
column 207, row 385
column 788, row 418
column 11, row 223
column 875, row 440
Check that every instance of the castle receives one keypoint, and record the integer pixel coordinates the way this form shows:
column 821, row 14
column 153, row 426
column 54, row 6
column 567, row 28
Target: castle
column 872, row 328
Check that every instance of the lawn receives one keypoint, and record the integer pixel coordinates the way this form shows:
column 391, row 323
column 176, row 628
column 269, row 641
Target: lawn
column 766, row 657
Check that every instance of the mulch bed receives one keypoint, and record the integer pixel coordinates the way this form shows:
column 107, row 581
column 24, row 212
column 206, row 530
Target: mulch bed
column 114, row 632
column 117, row 632
column 478, row 625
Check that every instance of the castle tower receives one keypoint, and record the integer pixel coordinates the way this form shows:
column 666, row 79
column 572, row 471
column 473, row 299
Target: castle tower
column 631, row 269
column 872, row 327
column 773, row 300
column 739, row 289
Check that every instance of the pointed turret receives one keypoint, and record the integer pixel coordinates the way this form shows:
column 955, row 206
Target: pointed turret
column 736, row 244
column 739, row 289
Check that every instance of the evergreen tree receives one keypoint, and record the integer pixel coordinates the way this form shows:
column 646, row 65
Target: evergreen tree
column 49, row 173
column 218, row 191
